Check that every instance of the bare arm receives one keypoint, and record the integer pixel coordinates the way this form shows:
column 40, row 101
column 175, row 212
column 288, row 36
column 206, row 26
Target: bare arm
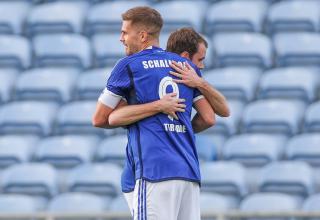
column 129, row 114
column 189, row 77
column 205, row 117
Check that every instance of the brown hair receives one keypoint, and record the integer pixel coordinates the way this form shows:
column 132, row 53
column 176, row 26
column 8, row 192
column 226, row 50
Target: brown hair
column 146, row 16
column 185, row 39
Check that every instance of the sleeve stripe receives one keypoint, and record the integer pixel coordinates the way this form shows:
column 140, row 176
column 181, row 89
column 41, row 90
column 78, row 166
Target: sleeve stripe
column 197, row 98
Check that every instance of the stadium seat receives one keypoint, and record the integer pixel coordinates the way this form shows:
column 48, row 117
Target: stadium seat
column 173, row 19
column 7, row 81
column 270, row 202
column 46, row 84
column 27, row 117
column 235, row 82
column 245, row 49
column 296, row 49
column 12, row 16
column 312, row 203
column 92, row 178
column 15, row 52
column 235, row 16
column 66, row 151
column 296, row 15
column 107, row 49
column 213, row 202
column 57, row 17
column 291, row 82
column 206, row 148
column 164, row 39
column 112, row 149
column 119, row 204
column 77, row 202
column 106, row 16
column 312, row 118
column 273, row 116
column 91, row 83
column 30, row 178
column 304, row 147
column 62, row 50
column 230, row 125
column 75, row 118
column 292, row 177
column 16, row 149
column 224, row 177
column 254, row 149
column 21, row 204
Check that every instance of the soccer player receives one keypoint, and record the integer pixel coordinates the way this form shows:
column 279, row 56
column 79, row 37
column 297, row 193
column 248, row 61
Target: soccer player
column 165, row 159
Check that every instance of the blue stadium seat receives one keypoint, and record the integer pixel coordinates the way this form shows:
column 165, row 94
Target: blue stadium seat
column 62, row 50
column 292, row 177
column 291, row 82
column 235, row 16
column 12, row 16
column 106, row 16
column 91, row 83
column 213, row 202
column 230, row 125
column 164, row 39
column 119, row 204
column 173, row 19
column 296, row 49
column 77, row 202
column 312, row 118
column 75, row 118
column 16, row 149
column 107, row 49
column 254, row 149
column 112, row 149
column 235, row 82
column 270, row 202
column 46, row 84
column 57, row 17
column 66, row 151
column 92, row 178
column 7, row 81
column 224, row 177
column 206, row 148
column 296, row 15
column 15, row 52
column 246, row 49
column 30, row 178
column 304, row 147
column 273, row 116
column 312, row 203
column 27, row 117
column 20, row 204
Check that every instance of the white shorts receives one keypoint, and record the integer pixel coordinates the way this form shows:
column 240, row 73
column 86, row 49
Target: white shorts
column 166, row 200
column 129, row 199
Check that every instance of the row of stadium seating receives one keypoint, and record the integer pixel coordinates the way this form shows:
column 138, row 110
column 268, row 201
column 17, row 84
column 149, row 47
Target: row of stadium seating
column 288, row 117
column 249, row 49
column 246, row 84
column 85, row 203
column 224, row 177
column 236, row 15
column 66, row 151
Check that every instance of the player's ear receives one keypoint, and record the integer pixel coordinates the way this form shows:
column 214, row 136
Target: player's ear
column 143, row 36
column 185, row 54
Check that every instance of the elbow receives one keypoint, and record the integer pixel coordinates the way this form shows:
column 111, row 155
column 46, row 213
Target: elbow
column 113, row 121
column 98, row 122
column 210, row 120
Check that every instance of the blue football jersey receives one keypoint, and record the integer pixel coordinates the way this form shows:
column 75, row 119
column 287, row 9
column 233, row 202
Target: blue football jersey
column 162, row 148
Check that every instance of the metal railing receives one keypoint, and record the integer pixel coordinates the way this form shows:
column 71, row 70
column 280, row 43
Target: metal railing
column 125, row 215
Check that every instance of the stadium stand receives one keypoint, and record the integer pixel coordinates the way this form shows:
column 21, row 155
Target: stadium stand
column 46, row 84
column 312, row 203
column 7, row 81
column 206, row 148
column 311, row 121
column 17, row 203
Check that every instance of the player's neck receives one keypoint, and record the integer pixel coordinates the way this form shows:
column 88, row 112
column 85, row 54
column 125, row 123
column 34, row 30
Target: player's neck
column 151, row 43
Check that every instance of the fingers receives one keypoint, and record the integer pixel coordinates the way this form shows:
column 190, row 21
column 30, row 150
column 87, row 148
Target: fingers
column 173, row 114
column 188, row 66
column 176, row 67
column 175, row 74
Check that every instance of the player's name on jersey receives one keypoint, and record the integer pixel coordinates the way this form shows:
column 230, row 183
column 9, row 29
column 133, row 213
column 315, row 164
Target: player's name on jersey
column 149, row 64
column 175, row 128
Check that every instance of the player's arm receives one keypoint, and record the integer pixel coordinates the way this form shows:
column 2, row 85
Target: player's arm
column 205, row 116
column 189, row 77
column 125, row 115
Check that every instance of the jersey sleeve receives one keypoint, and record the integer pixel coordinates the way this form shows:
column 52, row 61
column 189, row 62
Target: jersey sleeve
column 196, row 93
column 117, row 86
